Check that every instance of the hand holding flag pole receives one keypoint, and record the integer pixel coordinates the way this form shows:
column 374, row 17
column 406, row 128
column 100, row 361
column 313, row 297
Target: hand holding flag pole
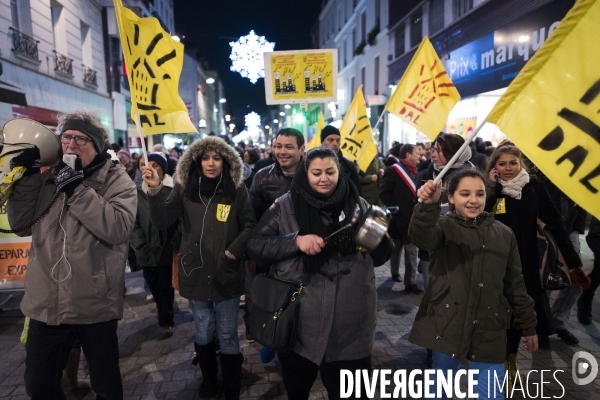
column 138, row 128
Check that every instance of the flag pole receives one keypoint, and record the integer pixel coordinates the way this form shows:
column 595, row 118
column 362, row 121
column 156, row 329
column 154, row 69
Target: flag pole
column 138, row 126
column 456, row 155
column 370, row 137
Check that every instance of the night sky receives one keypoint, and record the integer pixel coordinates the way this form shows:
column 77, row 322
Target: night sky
column 209, row 26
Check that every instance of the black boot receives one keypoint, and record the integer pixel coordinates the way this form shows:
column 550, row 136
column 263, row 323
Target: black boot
column 206, row 356
column 584, row 304
column 231, row 366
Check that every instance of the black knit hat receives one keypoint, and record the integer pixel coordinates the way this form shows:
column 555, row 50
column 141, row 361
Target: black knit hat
column 329, row 130
column 160, row 159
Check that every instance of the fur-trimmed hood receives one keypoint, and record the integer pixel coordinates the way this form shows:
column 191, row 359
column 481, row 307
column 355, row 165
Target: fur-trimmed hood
column 210, row 143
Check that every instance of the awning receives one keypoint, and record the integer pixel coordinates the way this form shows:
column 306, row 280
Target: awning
column 12, row 94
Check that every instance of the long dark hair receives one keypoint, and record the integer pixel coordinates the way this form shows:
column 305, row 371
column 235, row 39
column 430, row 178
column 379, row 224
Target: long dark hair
column 193, row 187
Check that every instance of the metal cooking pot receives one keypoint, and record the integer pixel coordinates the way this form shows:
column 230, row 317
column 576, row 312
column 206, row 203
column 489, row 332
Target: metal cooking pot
column 372, row 228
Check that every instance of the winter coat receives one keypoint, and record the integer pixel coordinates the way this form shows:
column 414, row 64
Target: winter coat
column 370, row 189
column 479, row 160
column 269, row 183
column 521, row 216
column 349, row 169
column 429, row 174
column 153, row 247
column 395, row 192
column 475, row 285
column 208, row 228
column 337, row 315
column 97, row 220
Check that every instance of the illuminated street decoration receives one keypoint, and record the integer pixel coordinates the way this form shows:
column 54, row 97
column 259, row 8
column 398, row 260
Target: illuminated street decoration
column 253, row 124
column 247, row 56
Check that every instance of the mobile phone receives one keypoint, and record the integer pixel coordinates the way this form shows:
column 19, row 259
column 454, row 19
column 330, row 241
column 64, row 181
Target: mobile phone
column 69, row 159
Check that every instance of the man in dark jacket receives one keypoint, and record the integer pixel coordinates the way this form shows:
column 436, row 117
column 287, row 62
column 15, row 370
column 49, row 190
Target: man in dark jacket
column 153, row 248
column 330, row 137
column 273, row 181
column 398, row 189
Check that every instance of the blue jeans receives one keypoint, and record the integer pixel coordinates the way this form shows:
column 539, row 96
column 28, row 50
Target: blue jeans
column 225, row 315
column 444, row 363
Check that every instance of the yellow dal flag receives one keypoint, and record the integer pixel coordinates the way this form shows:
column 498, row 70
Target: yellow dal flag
column 154, row 61
column 316, row 140
column 425, row 94
column 551, row 111
column 356, row 135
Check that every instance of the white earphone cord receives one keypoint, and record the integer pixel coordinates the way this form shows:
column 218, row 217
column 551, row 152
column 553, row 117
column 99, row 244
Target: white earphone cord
column 203, row 220
column 64, row 249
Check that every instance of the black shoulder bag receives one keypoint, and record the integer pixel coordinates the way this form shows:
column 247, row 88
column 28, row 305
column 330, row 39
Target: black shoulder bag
column 274, row 312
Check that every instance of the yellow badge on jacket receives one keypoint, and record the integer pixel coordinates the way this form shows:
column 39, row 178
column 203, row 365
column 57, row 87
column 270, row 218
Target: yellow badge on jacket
column 500, row 206
column 223, row 212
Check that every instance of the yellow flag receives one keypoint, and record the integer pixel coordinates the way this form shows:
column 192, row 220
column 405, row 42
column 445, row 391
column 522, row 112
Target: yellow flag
column 425, row 94
column 551, row 111
column 316, row 140
column 154, row 61
column 356, row 141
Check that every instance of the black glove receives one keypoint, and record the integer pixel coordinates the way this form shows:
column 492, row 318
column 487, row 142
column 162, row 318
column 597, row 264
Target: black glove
column 67, row 179
column 29, row 159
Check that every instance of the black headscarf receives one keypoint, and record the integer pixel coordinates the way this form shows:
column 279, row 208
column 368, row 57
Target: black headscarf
column 309, row 207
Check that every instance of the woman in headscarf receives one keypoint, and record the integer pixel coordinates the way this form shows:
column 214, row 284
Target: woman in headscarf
column 218, row 220
column 339, row 305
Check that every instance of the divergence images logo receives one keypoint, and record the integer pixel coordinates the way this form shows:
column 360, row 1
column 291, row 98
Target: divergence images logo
column 582, row 363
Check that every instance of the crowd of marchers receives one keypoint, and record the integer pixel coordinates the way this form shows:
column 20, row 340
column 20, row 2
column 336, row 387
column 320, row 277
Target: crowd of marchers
column 209, row 220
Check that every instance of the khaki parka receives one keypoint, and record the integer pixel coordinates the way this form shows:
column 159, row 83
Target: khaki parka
column 475, row 285
column 76, row 268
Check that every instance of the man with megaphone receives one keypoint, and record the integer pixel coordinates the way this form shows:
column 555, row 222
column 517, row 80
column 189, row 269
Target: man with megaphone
column 75, row 274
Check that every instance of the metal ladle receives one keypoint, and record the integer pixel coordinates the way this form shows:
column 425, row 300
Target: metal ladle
column 353, row 221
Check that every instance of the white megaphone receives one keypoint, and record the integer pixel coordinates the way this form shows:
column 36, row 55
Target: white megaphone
column 19, row 134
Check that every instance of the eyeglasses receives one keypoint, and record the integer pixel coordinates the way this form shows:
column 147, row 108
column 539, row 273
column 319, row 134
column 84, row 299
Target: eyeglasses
column 79, row 140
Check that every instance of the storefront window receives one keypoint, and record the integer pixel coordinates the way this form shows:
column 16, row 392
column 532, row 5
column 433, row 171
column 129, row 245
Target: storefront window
column 436, row 16
column 461, row 7
column 416, row 28
column 399, row 41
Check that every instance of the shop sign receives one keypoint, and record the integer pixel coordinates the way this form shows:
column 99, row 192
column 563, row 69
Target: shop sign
column 376, row 99
column 494, row 60
column 14, row 255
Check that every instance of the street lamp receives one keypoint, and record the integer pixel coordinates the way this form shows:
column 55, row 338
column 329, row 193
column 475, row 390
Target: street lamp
column 287, row 106
column 222, row 100
column 282, row 114
column 275, row 121
column 210, row 80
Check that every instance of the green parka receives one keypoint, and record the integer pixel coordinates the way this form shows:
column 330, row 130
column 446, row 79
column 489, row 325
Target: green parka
column 475, row 285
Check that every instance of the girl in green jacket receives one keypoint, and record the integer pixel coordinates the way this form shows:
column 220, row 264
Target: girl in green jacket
column 476, row 284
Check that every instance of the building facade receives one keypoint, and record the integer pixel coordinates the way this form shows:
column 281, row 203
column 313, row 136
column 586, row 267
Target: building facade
column 53, row 53
column 359, row 32
column 483, row 45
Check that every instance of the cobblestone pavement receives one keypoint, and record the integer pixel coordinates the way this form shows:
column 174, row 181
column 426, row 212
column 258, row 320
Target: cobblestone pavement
column 161, row 369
